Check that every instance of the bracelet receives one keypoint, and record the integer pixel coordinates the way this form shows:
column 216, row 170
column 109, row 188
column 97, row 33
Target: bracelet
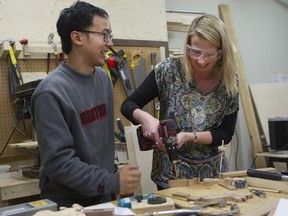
column 195, row 138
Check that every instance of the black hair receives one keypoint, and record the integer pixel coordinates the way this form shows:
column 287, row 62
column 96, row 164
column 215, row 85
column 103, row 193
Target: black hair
column 77, row 17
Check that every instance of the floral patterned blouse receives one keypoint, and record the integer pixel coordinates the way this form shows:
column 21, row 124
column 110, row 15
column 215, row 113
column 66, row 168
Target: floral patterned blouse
column 193, row 111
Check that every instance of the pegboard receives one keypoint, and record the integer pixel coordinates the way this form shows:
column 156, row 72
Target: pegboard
column 119, row 92
column 7, row 106
column 8, row 122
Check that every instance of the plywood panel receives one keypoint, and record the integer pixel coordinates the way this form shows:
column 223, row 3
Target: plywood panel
column 270, row 100
column 35, row 20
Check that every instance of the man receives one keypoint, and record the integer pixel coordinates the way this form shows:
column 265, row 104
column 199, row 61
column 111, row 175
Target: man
column 73, row 115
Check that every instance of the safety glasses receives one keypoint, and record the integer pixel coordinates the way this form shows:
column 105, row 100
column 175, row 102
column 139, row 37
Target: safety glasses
column 207, row 55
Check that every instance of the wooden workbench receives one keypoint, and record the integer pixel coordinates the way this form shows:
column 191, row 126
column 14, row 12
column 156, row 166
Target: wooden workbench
column 15, row 190
column 252, row 204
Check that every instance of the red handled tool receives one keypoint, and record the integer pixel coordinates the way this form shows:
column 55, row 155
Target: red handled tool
column 167, row 131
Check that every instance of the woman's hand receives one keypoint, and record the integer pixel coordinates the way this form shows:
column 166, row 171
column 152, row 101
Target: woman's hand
column 150, row 130
column 149, row 126
column 183, row 137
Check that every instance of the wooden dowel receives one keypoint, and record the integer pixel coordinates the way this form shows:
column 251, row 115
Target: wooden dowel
column 264, row 189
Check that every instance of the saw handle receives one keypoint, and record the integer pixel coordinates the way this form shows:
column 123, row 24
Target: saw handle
column 264, row 174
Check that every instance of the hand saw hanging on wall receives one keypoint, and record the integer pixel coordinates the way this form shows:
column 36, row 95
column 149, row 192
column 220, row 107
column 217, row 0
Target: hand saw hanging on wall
column 138, row 68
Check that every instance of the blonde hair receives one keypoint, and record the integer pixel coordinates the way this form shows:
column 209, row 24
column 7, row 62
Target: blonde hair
column 213, row 29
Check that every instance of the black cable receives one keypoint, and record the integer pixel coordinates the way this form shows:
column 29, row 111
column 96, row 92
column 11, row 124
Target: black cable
column 24, row 131
column 24, row 105
column 253, row 161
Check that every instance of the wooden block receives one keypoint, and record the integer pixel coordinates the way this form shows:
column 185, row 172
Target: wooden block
column 182, row 182
column 236, row 197
column 100, row 212
column 228, row 186
column 191, row 182
column 193, row 198
column 215, row 198
column 180, row 194
column 210, row 181
column 143, row 206
column 177, row 183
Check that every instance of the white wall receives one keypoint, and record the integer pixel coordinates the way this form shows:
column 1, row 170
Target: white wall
column 261, row 28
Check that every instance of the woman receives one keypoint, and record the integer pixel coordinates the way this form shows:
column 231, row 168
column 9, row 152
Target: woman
column 200, row 92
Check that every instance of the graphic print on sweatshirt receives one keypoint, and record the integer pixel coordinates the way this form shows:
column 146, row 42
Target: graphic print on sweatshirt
column 96, row 113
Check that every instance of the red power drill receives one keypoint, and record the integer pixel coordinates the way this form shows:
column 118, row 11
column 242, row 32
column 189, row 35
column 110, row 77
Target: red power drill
column 167, row 131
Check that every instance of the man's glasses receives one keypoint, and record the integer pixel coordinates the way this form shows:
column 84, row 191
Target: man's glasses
column 106, row 36
column 196, row 53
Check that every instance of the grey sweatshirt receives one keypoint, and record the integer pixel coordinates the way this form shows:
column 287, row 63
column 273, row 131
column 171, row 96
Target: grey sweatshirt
column 74, row 122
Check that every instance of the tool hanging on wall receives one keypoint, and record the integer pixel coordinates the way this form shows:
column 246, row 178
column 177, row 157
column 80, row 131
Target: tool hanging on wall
column 110, row 66
column 17, row 86
column 59, row 57
column 120, row 135
column 154, row 61
column 13, row 61
column 138, row 69
column 13, row 68
column 10, row 77
column 124, row 71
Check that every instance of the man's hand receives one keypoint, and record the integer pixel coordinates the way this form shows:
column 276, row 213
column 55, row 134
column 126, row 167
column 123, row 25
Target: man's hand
column 130, row 177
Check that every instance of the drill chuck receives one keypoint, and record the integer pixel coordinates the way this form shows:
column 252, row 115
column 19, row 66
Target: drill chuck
column 172, row 151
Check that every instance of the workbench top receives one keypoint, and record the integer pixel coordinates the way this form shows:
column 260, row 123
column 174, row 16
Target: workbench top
column 15, row 187
column 246, row 207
